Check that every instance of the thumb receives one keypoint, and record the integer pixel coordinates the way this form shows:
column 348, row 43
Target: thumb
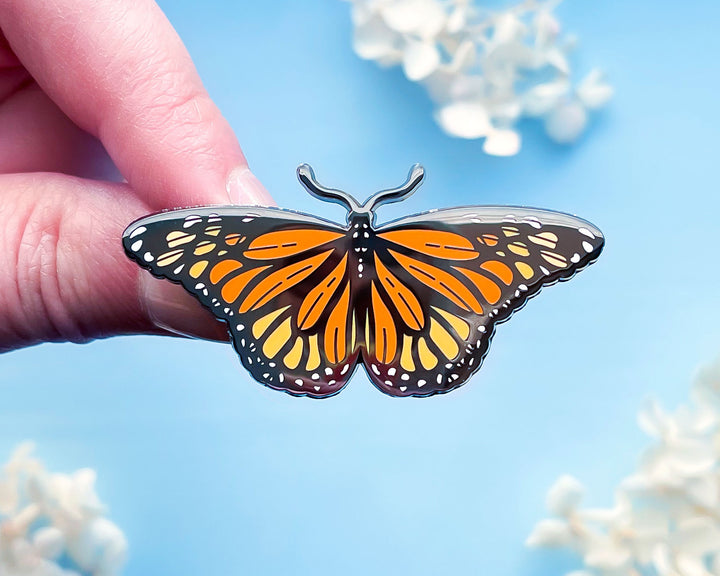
column 65, row 276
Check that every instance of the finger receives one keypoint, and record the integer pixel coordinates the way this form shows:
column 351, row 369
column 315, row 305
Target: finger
column 35, row 135
column 66, row 277
column 119, row 70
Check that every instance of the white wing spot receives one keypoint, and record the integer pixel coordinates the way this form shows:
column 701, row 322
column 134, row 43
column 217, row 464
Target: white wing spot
column 136, row 245
column 191, row 221
column 139, row 230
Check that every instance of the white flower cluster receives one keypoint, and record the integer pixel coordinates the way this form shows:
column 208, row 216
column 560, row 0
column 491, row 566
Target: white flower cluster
column 47, row 519
column 484, row 69
column 666, row 517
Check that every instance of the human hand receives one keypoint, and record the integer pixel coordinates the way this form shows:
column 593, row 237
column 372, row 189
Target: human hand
column 87, row 86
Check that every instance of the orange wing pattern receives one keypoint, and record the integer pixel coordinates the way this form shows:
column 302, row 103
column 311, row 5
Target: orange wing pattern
column 447, row 278
column 417, row 300
column 280, row 280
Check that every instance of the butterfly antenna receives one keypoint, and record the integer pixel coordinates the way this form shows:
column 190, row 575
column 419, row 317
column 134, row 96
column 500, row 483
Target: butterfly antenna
column 306, row 175
column 414, row 179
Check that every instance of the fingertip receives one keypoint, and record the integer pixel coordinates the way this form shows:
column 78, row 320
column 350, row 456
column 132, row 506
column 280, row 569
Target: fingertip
column 169, row 307
column 244, row 188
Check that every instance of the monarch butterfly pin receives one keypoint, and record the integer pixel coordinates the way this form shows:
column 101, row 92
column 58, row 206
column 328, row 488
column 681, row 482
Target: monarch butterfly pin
column 416, row 301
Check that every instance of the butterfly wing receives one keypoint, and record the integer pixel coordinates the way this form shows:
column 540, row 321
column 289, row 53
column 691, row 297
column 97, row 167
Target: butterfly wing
column 278, row 278
column 445, row 279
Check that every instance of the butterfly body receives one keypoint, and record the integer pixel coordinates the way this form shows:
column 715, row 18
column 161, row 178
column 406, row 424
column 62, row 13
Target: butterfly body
column 416, row 301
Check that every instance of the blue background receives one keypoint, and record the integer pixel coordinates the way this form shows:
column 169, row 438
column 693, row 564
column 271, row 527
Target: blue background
column 209, row 473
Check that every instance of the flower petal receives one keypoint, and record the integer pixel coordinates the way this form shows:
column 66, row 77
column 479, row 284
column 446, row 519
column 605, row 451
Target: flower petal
column 425, row 17
column 465, row 119
column 551, row 532
column 594, row 93
column 564, row 496
column 566, row 122
column 420, row 59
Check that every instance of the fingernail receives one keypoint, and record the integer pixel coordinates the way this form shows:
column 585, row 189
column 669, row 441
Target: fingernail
column 173, row 309
column 245, row 189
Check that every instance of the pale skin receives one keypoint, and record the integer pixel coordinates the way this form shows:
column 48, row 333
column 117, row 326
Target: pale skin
column 92, row 91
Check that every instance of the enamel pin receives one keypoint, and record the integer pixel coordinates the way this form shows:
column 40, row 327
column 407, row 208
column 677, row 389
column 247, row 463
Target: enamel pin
column 416, row 301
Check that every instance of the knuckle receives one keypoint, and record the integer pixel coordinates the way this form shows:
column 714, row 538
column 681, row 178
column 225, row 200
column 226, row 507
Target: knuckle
column 36, row 300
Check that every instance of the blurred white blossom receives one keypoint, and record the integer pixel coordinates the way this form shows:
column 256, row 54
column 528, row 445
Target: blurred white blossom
column 45, row 516
column 484, row 69
column 666, row 517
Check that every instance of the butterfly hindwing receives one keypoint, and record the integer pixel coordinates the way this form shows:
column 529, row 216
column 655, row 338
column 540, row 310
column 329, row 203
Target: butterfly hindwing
column 443, row 280
column 278, row 278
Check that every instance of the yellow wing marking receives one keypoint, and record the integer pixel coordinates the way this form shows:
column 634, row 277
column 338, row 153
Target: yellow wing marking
column 406, row 360
column 458, row 324
column 554, row 258
column 198, row 268
column 262, row 324
column 313, row 360
column 292, row 358
column 525, row 269
column 204, row 247
column 547, row 239
column 170, row 257
column 443, row 339
column 178, row 238
column 519, row 248
column 278, row 338
column 427, row 358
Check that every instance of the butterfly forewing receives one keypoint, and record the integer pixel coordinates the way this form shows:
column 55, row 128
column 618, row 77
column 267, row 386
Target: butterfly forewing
column 278, row 278
column 443, row 280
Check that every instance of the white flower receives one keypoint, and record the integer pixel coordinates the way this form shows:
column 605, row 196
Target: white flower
column 666, row 519
column 43, row 516
column 484, row 69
